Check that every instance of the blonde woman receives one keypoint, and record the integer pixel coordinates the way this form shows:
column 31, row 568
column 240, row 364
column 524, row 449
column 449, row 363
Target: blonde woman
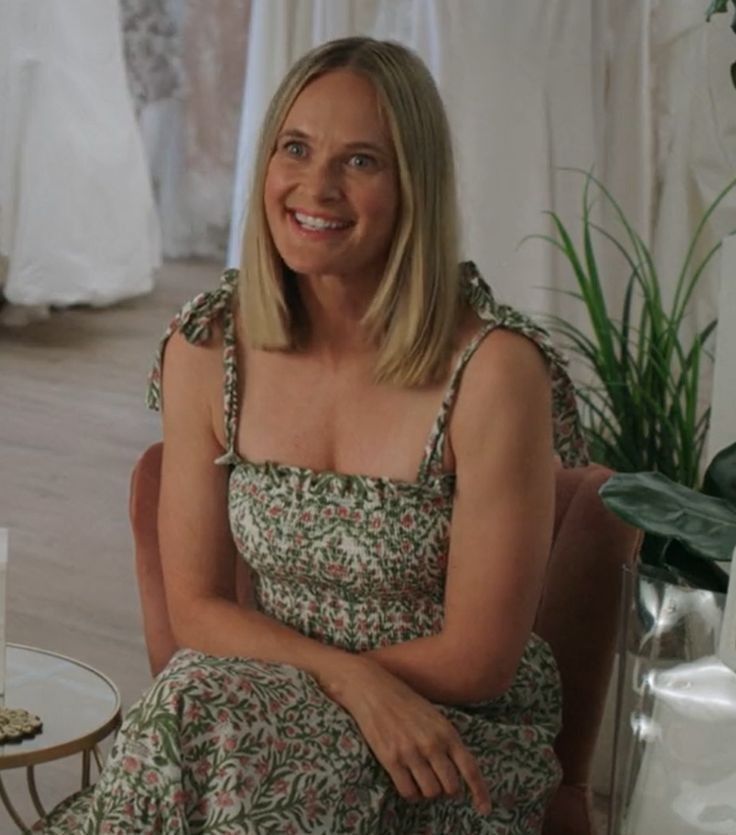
column 355, row 418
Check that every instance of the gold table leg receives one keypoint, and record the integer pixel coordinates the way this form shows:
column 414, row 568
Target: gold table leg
column 33, row 791
column 86, row 763
column 87, row 756
column 17, row 820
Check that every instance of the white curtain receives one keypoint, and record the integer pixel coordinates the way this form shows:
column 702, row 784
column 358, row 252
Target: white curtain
column 671, row 131
column 77, row 218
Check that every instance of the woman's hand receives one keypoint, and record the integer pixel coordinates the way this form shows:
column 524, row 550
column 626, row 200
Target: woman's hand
column 419, row 748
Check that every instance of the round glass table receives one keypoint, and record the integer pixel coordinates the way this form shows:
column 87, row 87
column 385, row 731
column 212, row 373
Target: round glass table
column 78, row 705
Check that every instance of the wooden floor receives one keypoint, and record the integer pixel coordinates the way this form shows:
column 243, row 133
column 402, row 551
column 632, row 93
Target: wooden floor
column 72, row 422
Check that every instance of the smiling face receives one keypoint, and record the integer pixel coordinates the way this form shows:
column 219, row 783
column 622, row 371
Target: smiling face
column 331, row 193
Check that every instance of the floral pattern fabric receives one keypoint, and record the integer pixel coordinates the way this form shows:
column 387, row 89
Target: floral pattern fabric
column 236, row 745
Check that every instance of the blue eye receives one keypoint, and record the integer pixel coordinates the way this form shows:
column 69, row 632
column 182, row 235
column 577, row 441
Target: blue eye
column 361, row 161
column 294, row 148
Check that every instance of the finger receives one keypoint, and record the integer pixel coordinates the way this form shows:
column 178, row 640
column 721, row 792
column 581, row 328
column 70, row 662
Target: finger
column 470, row 770
column 447, row 774
column 404, row 782
column 425, row 778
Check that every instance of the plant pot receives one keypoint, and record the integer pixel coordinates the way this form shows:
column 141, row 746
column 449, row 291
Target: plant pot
column 674, row 764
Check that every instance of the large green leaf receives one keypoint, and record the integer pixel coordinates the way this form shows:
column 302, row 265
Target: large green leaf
column 650, row 501
column 720, row 477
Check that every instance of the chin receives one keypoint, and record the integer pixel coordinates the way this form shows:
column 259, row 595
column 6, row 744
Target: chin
column 314, row 266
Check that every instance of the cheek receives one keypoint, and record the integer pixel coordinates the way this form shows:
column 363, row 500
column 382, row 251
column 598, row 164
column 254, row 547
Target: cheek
column 274, row 187
column 385, row 210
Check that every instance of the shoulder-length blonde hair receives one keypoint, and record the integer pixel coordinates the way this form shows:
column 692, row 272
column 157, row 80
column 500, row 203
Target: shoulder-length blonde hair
column 412, row 317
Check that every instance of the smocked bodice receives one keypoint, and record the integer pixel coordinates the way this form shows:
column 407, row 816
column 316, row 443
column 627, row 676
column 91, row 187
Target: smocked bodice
column 351, row 560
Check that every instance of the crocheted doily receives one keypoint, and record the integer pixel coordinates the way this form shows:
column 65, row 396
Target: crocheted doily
column 17, row 724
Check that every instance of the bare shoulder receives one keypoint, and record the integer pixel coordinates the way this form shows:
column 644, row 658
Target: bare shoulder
column 505, row 361
column 506, row 380
column 193, row 379
column 195, row 363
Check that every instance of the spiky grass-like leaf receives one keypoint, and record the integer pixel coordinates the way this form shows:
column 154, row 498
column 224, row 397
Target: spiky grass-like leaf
column 645, row 410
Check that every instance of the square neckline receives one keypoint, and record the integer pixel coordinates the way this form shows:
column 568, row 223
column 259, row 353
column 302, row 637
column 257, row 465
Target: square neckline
column 429, row 471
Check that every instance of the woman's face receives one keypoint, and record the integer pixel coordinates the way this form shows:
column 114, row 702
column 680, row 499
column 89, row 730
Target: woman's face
column 331, row 193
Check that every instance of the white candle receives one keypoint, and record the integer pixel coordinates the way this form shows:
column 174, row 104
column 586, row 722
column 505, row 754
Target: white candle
column 3, row 572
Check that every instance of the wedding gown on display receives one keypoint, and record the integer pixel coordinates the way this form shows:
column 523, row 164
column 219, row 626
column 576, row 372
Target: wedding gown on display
column 186, row 61
column 77, row 218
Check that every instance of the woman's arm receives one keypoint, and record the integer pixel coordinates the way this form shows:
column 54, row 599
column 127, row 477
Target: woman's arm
column 501, row 435
column 197, row 552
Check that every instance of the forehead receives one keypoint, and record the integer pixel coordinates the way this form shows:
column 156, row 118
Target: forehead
column 341, row 102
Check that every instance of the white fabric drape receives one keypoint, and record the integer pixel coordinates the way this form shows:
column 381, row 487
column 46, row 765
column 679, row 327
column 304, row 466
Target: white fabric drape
column 77, row 219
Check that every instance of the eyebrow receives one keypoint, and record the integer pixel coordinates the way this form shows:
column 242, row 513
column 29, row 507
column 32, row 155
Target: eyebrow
column 362, row 145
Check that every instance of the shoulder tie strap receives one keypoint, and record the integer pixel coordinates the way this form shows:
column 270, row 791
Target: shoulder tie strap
column 434, row 452
column 195, row 321
column 569, row 438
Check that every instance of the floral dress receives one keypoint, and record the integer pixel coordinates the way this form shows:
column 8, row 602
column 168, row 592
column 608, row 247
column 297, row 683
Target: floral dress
column 236, row 745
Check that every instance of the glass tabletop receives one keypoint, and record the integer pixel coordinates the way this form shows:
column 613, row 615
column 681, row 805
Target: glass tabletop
column 78, row 705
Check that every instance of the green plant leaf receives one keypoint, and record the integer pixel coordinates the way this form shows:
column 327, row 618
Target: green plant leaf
column 654, row 503
column 699, row 573
column 715, row 7
column 684, row 295
column 720, row 477
column 647, row 413
column 644, row 409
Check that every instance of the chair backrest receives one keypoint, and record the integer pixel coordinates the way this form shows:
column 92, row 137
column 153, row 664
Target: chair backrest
column 579, row 609
column 145, row 484
column 577, row 615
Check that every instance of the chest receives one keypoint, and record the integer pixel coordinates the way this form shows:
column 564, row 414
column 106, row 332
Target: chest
column 369, row 538
column 297, row 412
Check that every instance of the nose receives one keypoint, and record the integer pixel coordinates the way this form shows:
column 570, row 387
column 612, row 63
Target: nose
column 323, row 180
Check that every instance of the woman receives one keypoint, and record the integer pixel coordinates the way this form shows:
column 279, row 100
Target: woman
column 386, row 679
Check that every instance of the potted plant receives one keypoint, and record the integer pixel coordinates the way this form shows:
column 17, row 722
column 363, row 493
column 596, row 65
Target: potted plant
column 643, row 410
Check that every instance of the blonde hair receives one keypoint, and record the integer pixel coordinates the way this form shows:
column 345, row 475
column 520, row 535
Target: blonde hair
column 412, row 317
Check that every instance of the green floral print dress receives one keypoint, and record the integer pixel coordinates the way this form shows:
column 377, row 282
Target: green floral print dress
column 236, row 745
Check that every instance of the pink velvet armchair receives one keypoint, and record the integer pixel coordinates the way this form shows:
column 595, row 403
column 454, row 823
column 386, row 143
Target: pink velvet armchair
column 578, row 614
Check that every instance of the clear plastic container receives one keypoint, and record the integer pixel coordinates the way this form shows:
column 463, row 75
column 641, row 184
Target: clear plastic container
column 674, row 763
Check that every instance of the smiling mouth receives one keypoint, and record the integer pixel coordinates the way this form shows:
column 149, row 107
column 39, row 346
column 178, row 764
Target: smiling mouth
column 318, row 224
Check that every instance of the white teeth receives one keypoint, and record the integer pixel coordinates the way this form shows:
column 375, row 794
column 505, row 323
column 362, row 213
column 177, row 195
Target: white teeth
column 318, row 222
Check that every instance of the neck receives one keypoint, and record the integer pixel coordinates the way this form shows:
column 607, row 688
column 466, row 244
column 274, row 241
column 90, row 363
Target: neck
column 335, row 306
